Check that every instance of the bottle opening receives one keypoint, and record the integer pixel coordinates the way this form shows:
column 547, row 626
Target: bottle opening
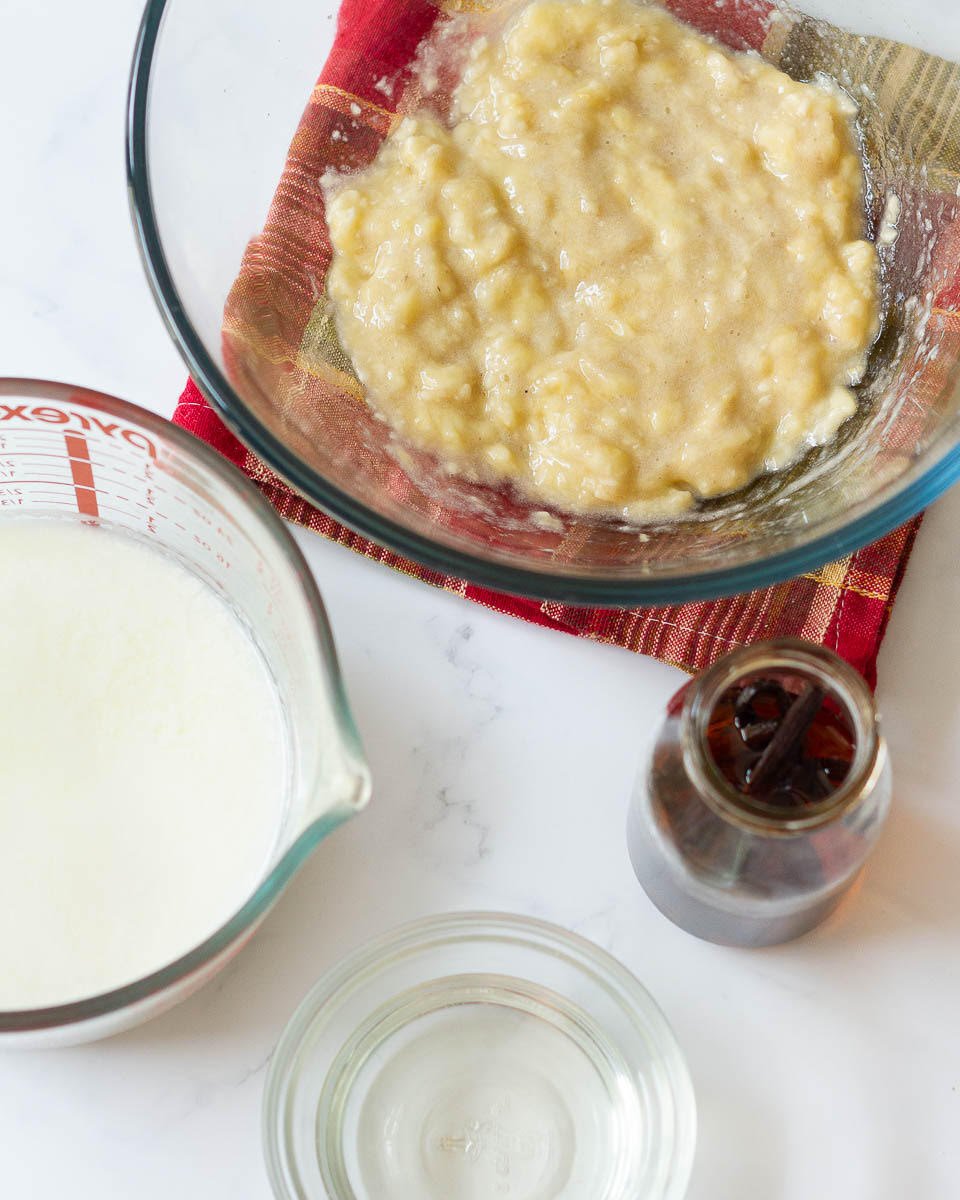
column 781, row 735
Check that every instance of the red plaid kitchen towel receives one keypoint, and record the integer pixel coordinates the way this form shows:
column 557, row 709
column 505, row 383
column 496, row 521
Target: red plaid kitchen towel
column 844, row 605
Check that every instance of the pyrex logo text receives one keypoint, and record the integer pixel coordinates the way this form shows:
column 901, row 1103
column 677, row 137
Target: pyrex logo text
column 47, row 414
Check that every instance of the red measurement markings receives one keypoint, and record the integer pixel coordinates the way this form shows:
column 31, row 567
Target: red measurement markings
column 81, row 470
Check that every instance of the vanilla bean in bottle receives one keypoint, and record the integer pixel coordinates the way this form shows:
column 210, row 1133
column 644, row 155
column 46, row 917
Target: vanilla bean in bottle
column 767, row 790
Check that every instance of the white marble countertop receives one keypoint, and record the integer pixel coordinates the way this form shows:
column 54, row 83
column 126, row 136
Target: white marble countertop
column 503, row 757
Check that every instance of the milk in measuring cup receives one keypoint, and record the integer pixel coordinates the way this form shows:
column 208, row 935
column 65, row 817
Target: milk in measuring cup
column 142, row 762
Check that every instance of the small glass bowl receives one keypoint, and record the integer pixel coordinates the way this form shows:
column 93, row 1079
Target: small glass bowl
column 473, row 1056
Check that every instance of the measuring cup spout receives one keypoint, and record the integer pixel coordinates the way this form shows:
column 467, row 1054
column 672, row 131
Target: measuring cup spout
column 331, row 778
column 338, row 798
column 342, row 792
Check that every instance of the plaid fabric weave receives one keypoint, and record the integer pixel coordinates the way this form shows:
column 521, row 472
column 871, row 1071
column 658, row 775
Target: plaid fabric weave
column 845, row 605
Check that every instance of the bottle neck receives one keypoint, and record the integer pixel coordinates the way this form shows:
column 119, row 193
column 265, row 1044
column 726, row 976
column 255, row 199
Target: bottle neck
column 795, row 663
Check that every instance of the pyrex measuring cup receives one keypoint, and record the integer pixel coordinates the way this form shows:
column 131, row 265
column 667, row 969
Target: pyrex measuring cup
column 76, row 454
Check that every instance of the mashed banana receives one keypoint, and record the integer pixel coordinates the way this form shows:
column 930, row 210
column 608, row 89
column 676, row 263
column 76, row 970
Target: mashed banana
column 629, row 273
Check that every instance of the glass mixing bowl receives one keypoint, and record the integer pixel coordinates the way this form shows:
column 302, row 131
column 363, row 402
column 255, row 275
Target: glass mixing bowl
column 76, row 455
column 216, row 95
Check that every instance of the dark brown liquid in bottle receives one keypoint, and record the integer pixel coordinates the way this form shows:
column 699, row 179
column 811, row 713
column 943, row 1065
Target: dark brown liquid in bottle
column 785, row 746
column 770, row 750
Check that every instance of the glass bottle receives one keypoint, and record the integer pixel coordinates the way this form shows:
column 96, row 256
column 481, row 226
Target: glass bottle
column 729, row 866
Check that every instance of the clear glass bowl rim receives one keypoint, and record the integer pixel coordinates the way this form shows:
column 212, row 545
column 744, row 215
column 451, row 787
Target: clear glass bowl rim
column 840, row 538
column 248, row 499
column 379, row 953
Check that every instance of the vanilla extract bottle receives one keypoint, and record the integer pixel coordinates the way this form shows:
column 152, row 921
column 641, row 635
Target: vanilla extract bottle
column 767, row 790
